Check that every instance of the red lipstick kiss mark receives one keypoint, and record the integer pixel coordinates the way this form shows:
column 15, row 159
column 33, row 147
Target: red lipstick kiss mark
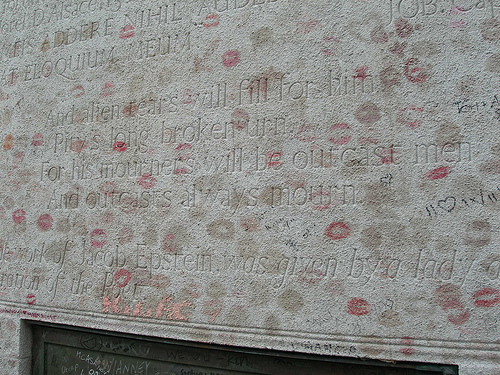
column 78, row 146
column 415, row 73
column 438, row 173
column 30, row 299
column 108, row 188
column 358, row 307
column 77, row 91
column 146, row 181
column 240, row 118
column 337, row 230
column 459, row 318
column 107, row 89
column 98, row 238
column 45, row 222
column 8, row 142
column 230, row 58
column 403, row 28
column 490, row 297
column 273, row 163
column 361, row 73
column 120, row 147
column 19, row 216
column 405, row 116
column 211, row 20
column 37, row 139
column 122, row 273
column 183, row 146
column 128, row 31
column 130, row 110
column 342, row 140
column 169, row 243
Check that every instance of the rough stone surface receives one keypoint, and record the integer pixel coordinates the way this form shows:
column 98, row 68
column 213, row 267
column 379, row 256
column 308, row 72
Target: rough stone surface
column 310, row 176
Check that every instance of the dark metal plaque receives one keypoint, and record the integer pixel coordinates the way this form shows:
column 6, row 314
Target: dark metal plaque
column 65, row 351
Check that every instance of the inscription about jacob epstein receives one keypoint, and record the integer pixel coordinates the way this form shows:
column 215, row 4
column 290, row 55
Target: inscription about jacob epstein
column 266, row 164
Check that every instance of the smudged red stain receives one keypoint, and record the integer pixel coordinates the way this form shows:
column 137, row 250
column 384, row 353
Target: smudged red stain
column 438, row 173
column 486, row 297
column 122, row 273
column 37, row 140
column 230, row 58
column 361, row 73
column 390, row 76
column 240, row 118
column 3, row 96
column 173, row 310
column 159, row 281
column 250, row 223
column 212, row 309
column 271, row 162
column 321, row 207
column 19, row 216
column 367, row 141
column 183, row 146
column 146, row 181
column 325, row 50
column 107, row 89
column 184, row 157
column 8, row 142
column 403, row 28
column 337, row 230
column 404, row 116
column 415, row 73
column 310, row 276
column 98, row 238
column 458, row 24
column 199, row 62
column 129, row 204
column 342, row 139
column 186, row 97
column 407, row 341
column 193, row 290
column 45, row 222
column 181, row 171
column 368, row 113
column 306, row 133
column 108, row 188
column 407, row 351
column 379, row 35
column 108, row 217
column 358, row 307
column 128, row 31
column 460, row 318
column 308, row 26
column 28, row 313
column 130, row 110
column 457, row 10
column 446, row 293
column 77, row 91
column 398, row 49
column 387, row 155
column 18, row 158
column 169, row 243
column 448, row 296
column 125, row 235
column 78, row 146
column 212, row 20
column 30, row 299
column 2, row 214
column 120, row 146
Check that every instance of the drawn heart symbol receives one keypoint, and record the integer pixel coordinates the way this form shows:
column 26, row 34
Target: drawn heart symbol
column 386, row 179
column 447, row 204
